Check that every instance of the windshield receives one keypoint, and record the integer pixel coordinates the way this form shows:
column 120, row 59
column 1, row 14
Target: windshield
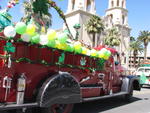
column 141, row 70
column 147, row 70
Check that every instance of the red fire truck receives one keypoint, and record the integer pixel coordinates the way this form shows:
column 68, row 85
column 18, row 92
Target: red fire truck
column 33, row 78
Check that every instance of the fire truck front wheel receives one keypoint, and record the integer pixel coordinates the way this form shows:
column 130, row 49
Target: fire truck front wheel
column 59, row 108
column 56, row 108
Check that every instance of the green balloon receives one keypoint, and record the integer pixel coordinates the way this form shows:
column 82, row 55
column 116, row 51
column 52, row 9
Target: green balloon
column 51, row 43
column 20, row 28
column 35, row 39
column 70, row 48
column 108, row 54
column 78, row 50
column 63, row 38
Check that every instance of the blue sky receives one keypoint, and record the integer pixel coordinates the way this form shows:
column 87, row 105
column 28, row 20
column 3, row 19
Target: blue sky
column 138, row 17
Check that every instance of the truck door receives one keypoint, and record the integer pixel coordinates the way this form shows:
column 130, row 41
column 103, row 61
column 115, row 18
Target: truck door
column 116, row 79
column 107, row 74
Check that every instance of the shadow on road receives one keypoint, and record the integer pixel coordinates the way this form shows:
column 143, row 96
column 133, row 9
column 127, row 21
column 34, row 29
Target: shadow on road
column 101, row 105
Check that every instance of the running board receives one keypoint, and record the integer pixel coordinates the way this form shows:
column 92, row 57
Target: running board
column 103, row 97
column 17, row 106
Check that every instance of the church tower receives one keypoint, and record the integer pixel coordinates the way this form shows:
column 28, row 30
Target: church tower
column 79, row 12
column 117, row 15
column 85, row 5
column 117, row 12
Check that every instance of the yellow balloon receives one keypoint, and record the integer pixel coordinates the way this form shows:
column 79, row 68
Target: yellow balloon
column 101, row 55
column 93, row 52
column 51, row 34
column 58, row 45
column 64, row 46
column 77, row 45
column 31, row 28
column 106, row 57
column 43, row 30
column 84, row 50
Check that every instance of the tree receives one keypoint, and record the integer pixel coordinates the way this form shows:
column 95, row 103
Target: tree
column 145, row 38
column 112, row 37
column 132, row 39
column 39, row 10
column 135, row 48
column 94, row 26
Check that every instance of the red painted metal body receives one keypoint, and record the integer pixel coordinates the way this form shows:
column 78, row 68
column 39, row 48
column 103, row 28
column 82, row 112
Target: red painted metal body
column 37, row 72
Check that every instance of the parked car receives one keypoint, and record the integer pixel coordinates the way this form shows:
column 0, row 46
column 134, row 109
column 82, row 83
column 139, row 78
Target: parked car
column 144, row 74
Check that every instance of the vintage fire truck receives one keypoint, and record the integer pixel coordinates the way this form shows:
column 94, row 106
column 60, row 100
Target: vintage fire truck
column 33, row 78
column 48, row 79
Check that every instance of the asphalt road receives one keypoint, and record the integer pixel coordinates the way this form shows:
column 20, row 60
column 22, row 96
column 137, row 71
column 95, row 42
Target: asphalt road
column 139, row 104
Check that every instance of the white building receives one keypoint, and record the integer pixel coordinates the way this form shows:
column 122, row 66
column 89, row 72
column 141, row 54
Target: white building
column 80, row 11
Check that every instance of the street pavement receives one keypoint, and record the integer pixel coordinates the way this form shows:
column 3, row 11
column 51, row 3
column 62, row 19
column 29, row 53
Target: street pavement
column 139, row 104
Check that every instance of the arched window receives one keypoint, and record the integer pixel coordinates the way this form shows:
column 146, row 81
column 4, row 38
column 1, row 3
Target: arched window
column 73, row 4
column 111, row 18
column 123, row 19
column 117, row 2
column 122, row 3
column 88, row 7
column 112, row 3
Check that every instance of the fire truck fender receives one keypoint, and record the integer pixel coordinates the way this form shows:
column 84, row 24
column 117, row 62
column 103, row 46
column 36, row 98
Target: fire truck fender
column 62, row 88
column 131, row 82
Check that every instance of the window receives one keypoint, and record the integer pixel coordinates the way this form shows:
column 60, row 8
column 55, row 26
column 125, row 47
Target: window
column 122, row 3
column 141, row 70
column 112, row 3
column 88, row 7
column 117, row 2
column 111, row 18
column 123, row 19
column 73, row 4
column 147, row 70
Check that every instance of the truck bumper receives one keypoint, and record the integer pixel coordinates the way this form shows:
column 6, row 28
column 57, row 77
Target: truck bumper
column 16, row 106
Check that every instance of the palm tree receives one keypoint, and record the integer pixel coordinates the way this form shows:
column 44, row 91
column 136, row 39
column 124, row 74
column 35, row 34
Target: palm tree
column 136, row 47
column 112, row 37
column 39, row 11
column 145, row 38
column 94, row 26
column 132, row 39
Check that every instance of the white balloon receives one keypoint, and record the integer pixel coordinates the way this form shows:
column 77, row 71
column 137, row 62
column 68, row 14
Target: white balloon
column 9, row 31
column 26, row 37
column 43, row 40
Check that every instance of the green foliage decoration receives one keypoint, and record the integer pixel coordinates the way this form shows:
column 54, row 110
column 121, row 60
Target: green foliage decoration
column 9, row 47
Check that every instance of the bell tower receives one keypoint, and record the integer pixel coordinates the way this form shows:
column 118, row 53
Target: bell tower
column 117, row 12
column 85, row 5
column 79, row 12
column 117, row 15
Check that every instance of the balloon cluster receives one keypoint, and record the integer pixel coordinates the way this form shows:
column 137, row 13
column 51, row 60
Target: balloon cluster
column 52, row 39
column 12, row 3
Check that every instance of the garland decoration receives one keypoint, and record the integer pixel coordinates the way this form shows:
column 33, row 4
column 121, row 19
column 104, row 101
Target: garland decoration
column 9, row 48
column 61, row 58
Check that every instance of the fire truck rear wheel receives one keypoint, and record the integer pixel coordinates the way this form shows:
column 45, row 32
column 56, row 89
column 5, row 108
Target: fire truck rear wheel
column 57, row 108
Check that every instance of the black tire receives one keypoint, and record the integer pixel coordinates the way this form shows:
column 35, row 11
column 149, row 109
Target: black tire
column 57, row 108
column 128, row 97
